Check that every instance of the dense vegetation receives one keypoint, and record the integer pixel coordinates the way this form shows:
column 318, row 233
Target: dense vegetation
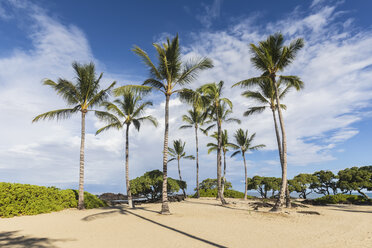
column 209, row 187
column 341, row 199
column 24, row 199
column 150, row 185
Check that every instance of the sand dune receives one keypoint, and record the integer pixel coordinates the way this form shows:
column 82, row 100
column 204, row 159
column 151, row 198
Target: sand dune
column 194, row 223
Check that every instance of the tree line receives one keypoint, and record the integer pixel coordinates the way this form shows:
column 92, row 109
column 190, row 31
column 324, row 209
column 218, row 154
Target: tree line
column 170, row 76
column 322, row 182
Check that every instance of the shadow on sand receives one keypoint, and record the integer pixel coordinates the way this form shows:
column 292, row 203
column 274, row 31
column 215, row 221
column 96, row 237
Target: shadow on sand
column 13, row 239
column 122, row 210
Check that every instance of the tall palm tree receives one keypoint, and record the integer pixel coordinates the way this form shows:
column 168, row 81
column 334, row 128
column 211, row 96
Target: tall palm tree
column 122, row 113
column 177, row 153
column 225, row 148
column 170, row 74
column 196, row 118
column 270, row 57
column 243, row 145
column 209, row 97
column 82, row 96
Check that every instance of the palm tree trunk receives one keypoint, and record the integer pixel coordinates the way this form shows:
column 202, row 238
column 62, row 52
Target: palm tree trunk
column 246, row 177
column 197, row 162
column 164, row 205
column 81, row 178
column 287, row 194
column 129, row 193
column 179, row 173
column 219, row 189
column 282, row 193
column 224, row 172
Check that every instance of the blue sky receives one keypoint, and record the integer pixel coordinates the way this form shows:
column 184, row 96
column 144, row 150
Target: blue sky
column 328, row 123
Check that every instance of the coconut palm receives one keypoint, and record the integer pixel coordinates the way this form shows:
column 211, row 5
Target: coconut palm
column 196, row 118
column 225, row 148
column 177, row 153
column 167, row 77
column 271, row 57
column 122, row 113
column 209, row 97
column 265, row 97
column 243, row 145
column 82, row 96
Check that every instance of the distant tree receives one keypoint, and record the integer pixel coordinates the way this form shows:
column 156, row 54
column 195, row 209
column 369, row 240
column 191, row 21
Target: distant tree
column 195, row 118
column 263, row 185
column 151, row 183
column 301, row 184
column 225, row 148
column 244, row 144
column 167, row 77
column 121, row 114
column 178, row 153
column 326, row 181
column 355, row 179
column 212, row 184
column 82, row 97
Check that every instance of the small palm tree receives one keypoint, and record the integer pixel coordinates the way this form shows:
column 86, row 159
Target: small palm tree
column 170, row 74
column 82, row 96
column 122, row 113
column 271, row 57
column 243, row 145
column 195, row 118
column 225, row 148
column 177, row 153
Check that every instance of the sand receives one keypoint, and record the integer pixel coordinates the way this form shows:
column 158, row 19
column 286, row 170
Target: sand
column 193, row 223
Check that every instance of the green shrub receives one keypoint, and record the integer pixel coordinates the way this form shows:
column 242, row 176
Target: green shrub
column 341, row 199
column 24, row 199
column 229, row 193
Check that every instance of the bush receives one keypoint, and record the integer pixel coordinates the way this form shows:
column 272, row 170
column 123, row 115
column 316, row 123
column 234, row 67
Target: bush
column 341, row 199
column 24, row 199
column 229, row 193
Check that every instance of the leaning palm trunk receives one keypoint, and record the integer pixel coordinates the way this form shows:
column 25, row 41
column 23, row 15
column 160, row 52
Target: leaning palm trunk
column 219, row 188
column 81, row 179
column 246, row 177
column 283, row 187
column 129, row 193
column 164, row 206
column 179, row 173
column 224, row 173
column 287, row 194
column 197, row 162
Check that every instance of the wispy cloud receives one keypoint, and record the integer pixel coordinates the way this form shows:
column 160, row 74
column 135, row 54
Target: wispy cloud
column 210, row 13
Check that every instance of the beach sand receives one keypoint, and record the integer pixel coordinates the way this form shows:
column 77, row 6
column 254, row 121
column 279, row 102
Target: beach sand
column 193, row 223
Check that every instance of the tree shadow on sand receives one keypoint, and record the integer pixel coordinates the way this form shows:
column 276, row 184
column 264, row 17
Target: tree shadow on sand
column 122, row 210
column 14, row 239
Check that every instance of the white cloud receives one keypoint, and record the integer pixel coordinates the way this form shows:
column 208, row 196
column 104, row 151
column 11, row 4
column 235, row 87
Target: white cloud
column 210, row 13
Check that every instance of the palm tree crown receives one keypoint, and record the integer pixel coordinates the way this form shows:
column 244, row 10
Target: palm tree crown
column 82, row 96
column 178, row 151
column 126, row 111
column 244, row 142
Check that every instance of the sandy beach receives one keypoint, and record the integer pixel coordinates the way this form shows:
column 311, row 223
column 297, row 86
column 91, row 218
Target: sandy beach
column 193, row 223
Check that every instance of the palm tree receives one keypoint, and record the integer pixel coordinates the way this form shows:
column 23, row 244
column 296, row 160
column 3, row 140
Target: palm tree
column 166, row 77
column 177, row 153
column 271, row 57
column 265, row 96
column 82, row 96
column 243, row 145
column 122, row 113
column 225, row 148
column 195, row 118
column 209, row 97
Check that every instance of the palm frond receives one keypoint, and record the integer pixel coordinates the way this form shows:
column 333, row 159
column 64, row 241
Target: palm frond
column 57, row 114
column 192, row 68
column 254, row 110
column 146, row 59
column 115, row 125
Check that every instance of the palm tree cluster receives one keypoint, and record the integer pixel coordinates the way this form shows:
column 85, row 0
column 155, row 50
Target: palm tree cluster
column 169, row 76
